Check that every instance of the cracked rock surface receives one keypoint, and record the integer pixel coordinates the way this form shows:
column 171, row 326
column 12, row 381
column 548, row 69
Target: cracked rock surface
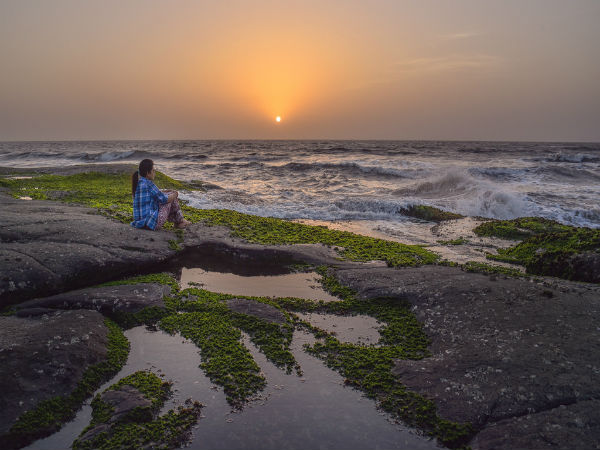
column 519, row 359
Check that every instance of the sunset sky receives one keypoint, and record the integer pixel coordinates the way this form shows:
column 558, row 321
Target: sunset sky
column 428, row 69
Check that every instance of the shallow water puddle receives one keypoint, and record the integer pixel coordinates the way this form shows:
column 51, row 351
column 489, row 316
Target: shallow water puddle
column 301, row 285
column 315, row 410
column 353, row 329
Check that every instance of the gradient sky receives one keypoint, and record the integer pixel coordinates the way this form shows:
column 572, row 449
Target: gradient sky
column 427, row 69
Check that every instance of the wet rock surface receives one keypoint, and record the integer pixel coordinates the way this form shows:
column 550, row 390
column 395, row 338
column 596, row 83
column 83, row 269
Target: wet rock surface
column 256, row 309
column 46, row 356
column 106, row 299
column 506, row 353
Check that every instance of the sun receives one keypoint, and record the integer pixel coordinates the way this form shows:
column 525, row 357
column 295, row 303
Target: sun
column 278, row 119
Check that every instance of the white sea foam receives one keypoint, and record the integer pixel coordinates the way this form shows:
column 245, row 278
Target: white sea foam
column 458, row 191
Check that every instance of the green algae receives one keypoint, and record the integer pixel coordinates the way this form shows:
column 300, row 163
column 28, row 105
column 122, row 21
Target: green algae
column 205, row 319
column 520, row 228
column 138, row 428
column 152, row 387
column 268, row 230
column 175, row 244
column 49, row 415
column 458, row 241
column 488, row 269
column 225, row 360
column 429, row 213
column 272, row 339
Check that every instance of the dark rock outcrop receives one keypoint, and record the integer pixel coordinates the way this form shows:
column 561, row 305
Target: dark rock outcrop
column 49, row 247
column 125, row 401
column 256, row 309
column 501, row 350
column 45, row 357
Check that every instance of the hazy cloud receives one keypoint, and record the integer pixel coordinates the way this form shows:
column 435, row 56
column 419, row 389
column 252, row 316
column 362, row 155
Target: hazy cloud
column 457, row 36
column 452, row 62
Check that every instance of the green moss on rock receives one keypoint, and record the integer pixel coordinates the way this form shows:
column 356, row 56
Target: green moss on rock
column 458, row 241
column 548, row 247
column 429, row 213
column 553, row 253
column 488, row 269
column 520, row 228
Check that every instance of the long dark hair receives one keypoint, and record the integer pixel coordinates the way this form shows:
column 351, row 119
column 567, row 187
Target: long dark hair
column 144, row 169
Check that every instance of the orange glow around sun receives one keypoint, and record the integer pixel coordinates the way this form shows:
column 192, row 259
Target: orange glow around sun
column 277, row 77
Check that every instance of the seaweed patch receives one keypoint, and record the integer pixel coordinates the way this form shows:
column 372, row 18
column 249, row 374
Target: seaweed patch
column 136, row 425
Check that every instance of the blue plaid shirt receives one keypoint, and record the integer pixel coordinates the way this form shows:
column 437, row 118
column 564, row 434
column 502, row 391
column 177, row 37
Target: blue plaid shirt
column 145, row 204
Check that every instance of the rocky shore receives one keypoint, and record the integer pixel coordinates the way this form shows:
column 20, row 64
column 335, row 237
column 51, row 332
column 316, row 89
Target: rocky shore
column 517, row 358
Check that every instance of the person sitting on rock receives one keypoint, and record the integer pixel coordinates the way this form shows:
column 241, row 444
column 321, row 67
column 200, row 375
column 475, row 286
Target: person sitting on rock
column 151, row 206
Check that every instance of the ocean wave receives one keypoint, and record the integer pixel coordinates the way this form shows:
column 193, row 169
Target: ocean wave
column 350, row 168
column 115, row 156
column 572, row 158
column 576, row 158
column 43, row 155
column 500, row 173
column 569, row 173
column 185, row 156
column 457, row 191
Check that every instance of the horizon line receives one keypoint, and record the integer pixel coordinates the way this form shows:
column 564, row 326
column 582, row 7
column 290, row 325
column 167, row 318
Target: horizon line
column 565, row 141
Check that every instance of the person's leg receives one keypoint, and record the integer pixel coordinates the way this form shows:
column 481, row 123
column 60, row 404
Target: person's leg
column 164, row 212
column 175, row 214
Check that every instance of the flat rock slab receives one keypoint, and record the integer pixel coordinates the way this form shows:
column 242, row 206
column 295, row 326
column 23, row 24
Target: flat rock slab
column 44, row 357
column 48, row 247
column 501, row 350
column 256, row 309
column 106, row 299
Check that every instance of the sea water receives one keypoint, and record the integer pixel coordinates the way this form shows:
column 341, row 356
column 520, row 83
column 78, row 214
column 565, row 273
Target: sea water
column 364, row 184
